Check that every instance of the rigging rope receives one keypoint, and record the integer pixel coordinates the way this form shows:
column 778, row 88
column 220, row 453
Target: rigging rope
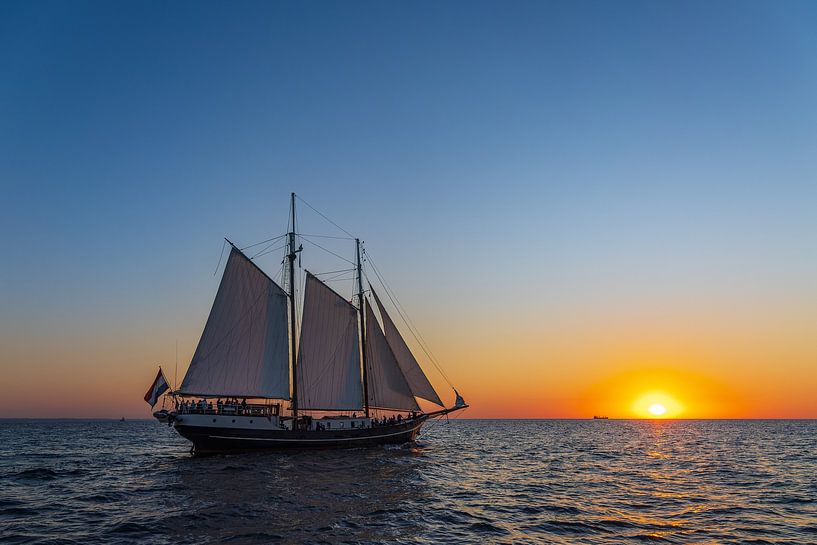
column 263, row 242
column 333, row 272
column 327, row 236
column 335, row 279
column 223, row 244
column 327, row 250
column 412, row 328
column 266, row 251
column 324, row 217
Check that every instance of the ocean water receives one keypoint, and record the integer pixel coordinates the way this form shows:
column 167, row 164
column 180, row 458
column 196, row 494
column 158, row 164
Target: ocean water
column 477, row 481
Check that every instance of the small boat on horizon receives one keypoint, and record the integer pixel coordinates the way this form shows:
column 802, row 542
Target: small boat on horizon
column 349, row 379
column 600, row 418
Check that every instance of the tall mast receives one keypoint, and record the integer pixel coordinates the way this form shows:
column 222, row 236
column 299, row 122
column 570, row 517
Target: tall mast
column 362, row 329
column 293, row 359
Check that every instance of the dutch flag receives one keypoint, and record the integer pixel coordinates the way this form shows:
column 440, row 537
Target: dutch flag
column 158, row 388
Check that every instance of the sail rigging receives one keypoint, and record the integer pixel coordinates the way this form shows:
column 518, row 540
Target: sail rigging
column 388, row 388
column 243, row 350
column 415, row 377
column 345, row 360
column 328, row 368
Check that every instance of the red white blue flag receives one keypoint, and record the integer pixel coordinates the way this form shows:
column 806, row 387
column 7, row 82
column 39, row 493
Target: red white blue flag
column 159, row 387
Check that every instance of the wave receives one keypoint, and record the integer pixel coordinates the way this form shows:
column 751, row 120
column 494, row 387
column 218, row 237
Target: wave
column 36, row 474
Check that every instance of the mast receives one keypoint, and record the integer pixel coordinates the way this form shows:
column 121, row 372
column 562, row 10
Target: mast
column 293, row 359
column 362, row 329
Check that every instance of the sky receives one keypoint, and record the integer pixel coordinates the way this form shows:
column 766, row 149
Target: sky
column 586, row 207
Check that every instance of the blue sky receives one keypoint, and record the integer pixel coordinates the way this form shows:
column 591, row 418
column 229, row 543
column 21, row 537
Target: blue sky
column 589, row 152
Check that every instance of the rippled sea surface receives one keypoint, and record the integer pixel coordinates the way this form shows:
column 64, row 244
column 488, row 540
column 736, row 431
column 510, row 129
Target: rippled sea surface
column 477, row 481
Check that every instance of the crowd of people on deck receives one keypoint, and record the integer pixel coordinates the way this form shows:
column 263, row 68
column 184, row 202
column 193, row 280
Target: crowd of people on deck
column 320, row 425
column 230, row 406
column 391, row 420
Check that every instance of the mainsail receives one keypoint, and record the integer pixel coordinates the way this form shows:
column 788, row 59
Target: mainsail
column 329, row 355
column 388, row 388
column 243, row 351
column 417, row 380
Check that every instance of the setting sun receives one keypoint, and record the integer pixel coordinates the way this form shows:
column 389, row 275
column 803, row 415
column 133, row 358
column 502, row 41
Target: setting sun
column 682, row 394
column 657, row 409
column 657, row 404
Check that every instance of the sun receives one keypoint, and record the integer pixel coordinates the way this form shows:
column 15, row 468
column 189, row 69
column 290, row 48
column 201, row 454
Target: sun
column 657, row 409
column 657, row 404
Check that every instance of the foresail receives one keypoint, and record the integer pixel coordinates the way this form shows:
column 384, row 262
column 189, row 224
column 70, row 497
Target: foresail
column 388, row 387
column 416, row 378
column 244, row 350
column 329, row 353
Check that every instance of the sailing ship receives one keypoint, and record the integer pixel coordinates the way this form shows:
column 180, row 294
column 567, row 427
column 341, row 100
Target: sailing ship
column 348, row 380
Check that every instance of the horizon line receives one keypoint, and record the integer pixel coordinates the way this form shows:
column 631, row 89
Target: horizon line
column 115, row 419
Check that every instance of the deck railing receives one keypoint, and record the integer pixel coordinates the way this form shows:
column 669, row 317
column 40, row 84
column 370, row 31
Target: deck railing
column 227, row 409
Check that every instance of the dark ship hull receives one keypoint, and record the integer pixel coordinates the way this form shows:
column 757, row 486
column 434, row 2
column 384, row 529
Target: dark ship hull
column 210, row 440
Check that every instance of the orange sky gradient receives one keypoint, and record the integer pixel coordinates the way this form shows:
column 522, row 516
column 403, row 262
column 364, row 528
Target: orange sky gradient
column 531, row 363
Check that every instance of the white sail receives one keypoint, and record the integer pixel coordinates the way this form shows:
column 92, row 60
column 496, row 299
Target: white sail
column 416, row 378
column 243, row 350
column 388, row 388
column 329, row 354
